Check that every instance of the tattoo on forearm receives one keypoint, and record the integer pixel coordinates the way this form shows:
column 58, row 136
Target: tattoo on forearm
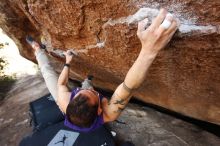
column 126, row 87
column 120, row 109
column 109, row 101
column 120, row 101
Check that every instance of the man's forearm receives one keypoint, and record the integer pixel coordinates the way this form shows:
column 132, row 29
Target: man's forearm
column 133, row 79
column 137, row 72
column 153, row 39
column 64, row 76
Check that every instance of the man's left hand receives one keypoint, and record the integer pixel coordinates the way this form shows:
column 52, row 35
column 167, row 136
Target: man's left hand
column 69, row 56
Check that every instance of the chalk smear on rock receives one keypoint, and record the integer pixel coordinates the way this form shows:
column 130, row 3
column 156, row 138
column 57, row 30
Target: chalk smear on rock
column 185, row 26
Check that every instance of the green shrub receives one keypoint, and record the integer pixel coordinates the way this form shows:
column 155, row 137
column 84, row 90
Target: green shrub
column 6, row 82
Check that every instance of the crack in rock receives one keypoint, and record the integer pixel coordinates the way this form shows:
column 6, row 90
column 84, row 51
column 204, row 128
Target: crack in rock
column 186, row 27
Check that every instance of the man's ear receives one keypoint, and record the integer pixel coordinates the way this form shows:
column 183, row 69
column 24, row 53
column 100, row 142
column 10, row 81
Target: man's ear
column 99, row 109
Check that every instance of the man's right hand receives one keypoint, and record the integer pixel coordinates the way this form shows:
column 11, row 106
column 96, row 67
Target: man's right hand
column 152, row 39
column 156, row 37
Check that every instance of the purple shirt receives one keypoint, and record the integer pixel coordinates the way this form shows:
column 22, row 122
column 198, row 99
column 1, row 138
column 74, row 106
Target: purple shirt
column 97, row 123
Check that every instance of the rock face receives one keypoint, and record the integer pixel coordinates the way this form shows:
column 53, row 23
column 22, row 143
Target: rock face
column 183, row 78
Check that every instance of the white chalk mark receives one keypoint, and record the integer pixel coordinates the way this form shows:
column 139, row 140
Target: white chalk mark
column 138, row 16
column 58, row 52
column 185, row 26
column 85, row 50
column 8, row 121
column 98, row 45
column 142, row 14
column 22, row 122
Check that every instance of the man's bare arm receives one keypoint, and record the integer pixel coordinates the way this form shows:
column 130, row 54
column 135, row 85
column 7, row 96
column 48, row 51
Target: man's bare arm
column 63, row 91
column 153, row 40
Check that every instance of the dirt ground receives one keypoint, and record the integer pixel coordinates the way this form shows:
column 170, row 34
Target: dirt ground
column 141, row 125
column 14, row 115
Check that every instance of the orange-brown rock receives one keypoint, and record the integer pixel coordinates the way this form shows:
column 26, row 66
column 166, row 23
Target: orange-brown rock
column 185, row 76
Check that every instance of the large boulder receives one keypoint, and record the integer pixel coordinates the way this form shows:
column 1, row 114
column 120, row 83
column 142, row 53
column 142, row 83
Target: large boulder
column 185, row 76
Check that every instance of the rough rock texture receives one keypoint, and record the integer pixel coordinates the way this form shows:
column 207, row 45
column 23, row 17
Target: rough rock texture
column 185, row 75
column 146, row 127
column 14, row 111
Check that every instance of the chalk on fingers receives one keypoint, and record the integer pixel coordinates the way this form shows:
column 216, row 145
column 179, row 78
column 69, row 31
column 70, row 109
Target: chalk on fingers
column 166, row 24
column 169, row 15
column 167, row 21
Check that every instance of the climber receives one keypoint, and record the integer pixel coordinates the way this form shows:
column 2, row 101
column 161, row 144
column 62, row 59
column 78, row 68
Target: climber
column 85, row 109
